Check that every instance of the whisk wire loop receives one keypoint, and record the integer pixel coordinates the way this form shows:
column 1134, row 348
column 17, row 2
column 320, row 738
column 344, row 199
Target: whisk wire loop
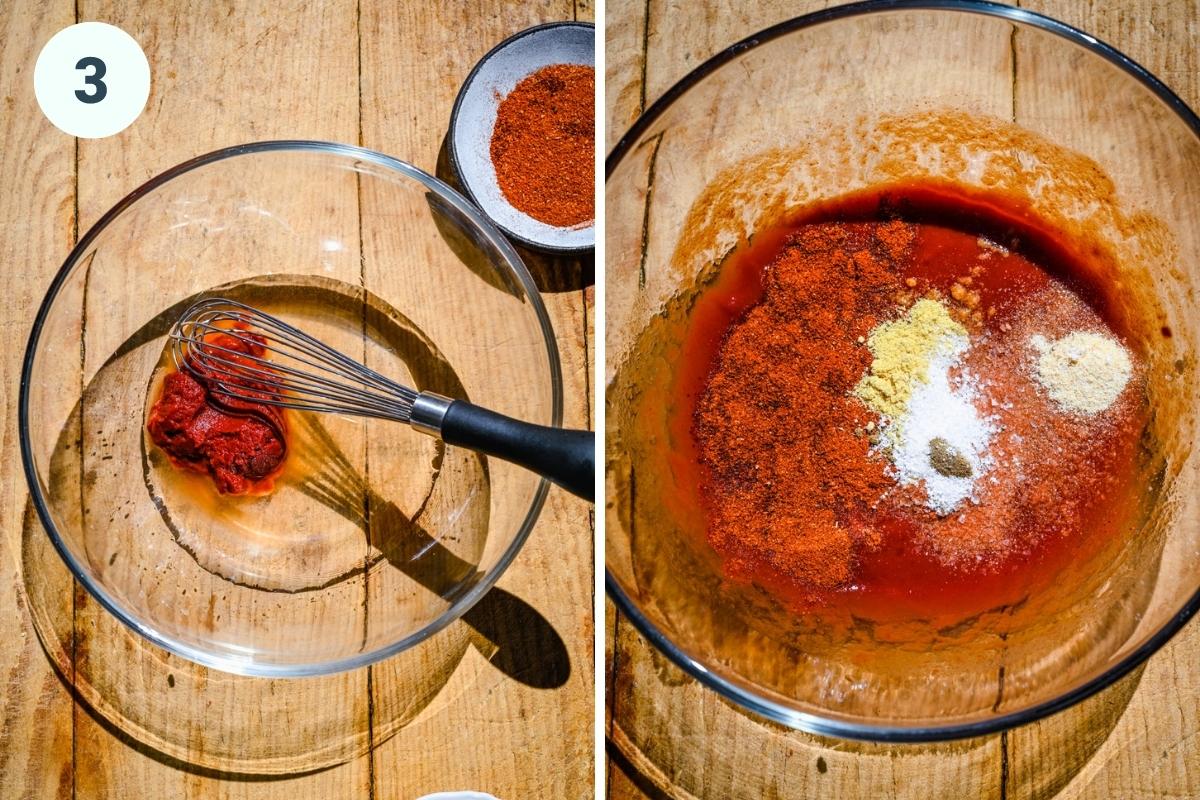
column 245, row 354
column 279, row 364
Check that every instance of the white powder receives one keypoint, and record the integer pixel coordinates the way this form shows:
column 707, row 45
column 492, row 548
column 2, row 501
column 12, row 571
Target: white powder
column 1082, row 372
column 943, row 409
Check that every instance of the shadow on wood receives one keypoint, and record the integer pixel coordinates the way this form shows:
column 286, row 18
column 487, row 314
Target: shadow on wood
column 509, row 632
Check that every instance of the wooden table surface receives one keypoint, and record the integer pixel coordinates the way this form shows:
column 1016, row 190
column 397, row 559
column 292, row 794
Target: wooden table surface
column 380, row 74
column 1139, row 739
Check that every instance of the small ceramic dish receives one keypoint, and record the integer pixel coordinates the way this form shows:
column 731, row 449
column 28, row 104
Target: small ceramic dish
column 474, row 118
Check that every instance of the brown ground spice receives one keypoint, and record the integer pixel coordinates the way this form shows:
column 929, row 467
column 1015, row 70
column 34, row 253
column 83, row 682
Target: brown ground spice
column 544, row 145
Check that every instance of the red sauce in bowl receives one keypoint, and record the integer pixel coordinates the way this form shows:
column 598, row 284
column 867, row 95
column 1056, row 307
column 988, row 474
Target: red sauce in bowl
column 1073, row 495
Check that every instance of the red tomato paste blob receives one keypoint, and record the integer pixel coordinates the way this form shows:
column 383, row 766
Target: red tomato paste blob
column 241, row 445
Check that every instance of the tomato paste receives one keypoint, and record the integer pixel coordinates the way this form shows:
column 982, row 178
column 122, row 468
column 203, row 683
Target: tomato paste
column 240, row 444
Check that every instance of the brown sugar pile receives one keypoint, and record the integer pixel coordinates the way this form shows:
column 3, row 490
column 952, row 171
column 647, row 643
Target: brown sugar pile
column 544, row 144
column 791, row 482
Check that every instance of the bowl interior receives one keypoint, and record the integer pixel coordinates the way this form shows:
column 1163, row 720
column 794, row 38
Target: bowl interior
column 475, row 118
column 375, row 535
column 985, row 98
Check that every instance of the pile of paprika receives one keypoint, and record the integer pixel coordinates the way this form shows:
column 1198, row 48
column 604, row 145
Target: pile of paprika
column 544, row 143
column 792, row 484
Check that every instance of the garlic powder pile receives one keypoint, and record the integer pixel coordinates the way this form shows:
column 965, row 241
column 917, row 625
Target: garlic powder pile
column 1082, row 372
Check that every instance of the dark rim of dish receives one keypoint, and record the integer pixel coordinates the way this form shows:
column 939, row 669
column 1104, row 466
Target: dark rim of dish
column 828, row 725
column 459, row 604
column 452, row 140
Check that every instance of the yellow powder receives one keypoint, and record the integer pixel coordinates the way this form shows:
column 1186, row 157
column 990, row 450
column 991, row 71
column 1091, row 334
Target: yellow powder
column 902, row 351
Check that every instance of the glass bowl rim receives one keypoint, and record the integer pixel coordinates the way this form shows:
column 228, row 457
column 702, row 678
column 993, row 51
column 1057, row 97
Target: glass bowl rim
column 829, row 725
column 246, row 666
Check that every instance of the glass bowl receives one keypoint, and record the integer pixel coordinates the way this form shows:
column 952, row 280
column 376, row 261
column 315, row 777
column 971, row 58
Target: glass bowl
column 986, row 96
column 375, row 536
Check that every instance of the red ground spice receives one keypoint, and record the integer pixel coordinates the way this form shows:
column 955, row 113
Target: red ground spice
column 544, row 145
column 791, row 485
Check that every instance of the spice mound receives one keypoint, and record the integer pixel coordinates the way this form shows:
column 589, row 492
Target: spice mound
column 906, row 407
column 778, row 427
column 543, row 145
column 240, row 444
column 1082, row 372
column 934, row 435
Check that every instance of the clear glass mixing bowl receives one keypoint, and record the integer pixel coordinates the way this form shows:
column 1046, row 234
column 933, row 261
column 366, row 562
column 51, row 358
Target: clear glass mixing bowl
column 376, row 536
column 987, row 96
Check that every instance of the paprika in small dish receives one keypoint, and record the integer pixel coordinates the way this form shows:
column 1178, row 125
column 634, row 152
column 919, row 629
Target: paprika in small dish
column 522, row 137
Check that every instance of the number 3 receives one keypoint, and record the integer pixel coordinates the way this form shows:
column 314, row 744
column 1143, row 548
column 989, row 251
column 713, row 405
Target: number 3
column 93, row 80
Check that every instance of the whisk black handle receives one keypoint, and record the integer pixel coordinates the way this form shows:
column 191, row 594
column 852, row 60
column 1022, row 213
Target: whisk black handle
column 565, row 457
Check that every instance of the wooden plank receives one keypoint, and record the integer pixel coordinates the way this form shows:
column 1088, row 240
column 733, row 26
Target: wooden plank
column 1138, row 739
column 681, row 37
column 258, row 72
column 505, row 737
column 1139, row 30
column 626, row 783
column 37, row 206
column 688, row 742
column 611, row 624
column 624, row 35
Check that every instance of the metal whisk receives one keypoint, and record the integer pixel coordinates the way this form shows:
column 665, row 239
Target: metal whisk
column 281, row 365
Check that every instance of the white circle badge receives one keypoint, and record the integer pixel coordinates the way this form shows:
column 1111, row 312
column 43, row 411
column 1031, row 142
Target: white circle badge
column 92, row 80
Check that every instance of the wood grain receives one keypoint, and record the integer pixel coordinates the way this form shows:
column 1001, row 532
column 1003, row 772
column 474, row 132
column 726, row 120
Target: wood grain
column 624, row 96
column 1153, row 750
column 379, row 74
column 681, row 36
column 538, row 728
column 1138, row 739
column 38, row 173
column 245, row 70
